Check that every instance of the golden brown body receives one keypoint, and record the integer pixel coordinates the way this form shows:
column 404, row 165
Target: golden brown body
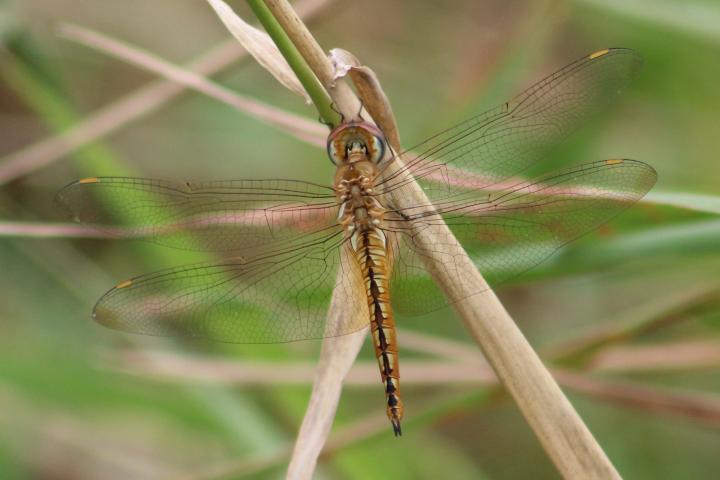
column 356, row 149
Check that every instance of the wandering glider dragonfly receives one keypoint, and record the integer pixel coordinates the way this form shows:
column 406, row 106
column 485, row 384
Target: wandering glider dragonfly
column 291, row 244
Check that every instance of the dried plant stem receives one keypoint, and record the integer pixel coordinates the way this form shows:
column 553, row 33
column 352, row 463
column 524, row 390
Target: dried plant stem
column 170, row 367
column 676, row 356
column 48, row 230
column 704, row 408
column 336, row 358
column 342, row 95
column 701, row 407
column 361, row 429
column 126, row 109
column 338, row 353
column 307, row 78
column 19, row 413
column 563, row 435
column 296, row 125
column 667, row 310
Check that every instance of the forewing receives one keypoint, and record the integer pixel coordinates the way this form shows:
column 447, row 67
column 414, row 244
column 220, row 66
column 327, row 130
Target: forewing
column 279, row 296
column 509, row 232
column 505, row 141
column 222, row 216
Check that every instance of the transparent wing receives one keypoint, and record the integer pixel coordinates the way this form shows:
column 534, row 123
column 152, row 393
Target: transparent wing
column 222, row 216
column 282, row 291
column 508, row 232
column 278, row 296
column 509, row 139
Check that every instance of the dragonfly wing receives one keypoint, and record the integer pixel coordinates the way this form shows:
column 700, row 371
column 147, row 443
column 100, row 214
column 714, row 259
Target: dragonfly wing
column 412, row 287
column 509, row 139
column 278, row 296
column 222, row 216
column 509, row 232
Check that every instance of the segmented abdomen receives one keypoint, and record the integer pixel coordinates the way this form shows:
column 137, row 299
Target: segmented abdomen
column 372, row 257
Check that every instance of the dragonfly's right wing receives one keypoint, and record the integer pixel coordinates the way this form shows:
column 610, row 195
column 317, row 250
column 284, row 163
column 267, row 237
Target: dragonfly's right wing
column 221, row 216
column 505, row 233
column 505, row 141
column 473, row 175
column 281, row 295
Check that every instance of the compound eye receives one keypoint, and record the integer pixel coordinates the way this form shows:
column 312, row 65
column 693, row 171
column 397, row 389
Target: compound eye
column 376, row 149
column 337, row 156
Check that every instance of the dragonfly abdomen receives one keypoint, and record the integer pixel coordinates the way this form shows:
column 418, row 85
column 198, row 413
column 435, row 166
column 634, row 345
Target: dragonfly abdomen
column 372, row 257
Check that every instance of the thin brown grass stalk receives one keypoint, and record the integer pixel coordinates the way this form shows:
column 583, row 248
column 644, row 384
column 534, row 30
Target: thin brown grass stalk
column 699, row 407
column 703, row 408
column 128, row 108
column 172, row 367
column 302, row 128
column 442, row 347
column 359, row 430
column 643, row 318
column 337, row 356
column 561, row 432
column 74, row 440
column 675, row 356
column 49, row 230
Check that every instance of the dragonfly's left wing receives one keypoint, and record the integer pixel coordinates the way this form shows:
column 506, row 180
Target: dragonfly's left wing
column 222, row 216
column 506, row 232
column 280, row 295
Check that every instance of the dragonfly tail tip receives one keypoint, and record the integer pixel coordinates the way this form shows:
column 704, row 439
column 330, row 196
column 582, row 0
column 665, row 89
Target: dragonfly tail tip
column 396, row 427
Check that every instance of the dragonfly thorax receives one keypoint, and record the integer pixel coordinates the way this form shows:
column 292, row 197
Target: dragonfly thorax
column 359, row 210
column 356, row 148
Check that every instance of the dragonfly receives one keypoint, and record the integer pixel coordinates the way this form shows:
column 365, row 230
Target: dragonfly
column 289, row 245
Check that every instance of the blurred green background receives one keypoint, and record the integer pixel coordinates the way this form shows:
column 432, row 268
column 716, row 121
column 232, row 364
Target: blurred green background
column 633, row 310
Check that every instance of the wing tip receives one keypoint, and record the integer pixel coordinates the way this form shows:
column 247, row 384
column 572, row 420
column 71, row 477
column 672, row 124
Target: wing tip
column 124, row 284
column 634, row 163
column 599, row 53
column 634, row 58
column 106, row 317
column 62, row 196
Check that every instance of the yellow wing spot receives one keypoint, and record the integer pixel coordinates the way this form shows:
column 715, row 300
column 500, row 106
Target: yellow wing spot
column 124, row 284
column 599, row 53
column 614, row 161
column 89, row 180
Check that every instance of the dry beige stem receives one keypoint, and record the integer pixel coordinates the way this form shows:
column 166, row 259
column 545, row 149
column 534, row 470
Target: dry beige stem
column 61, row 438
column 359, row 429
column 336, row 358
column 370, row 92
column 260, row 46
column 126, row 109
column 366, row 427
column 701, row 407
column 111, row 117
column 560, row 430
column 49, row 230
column 640, row 319
column 442, row 347
column 336, row 351
column 345, row 100
column 300, row 127
column 676, row 356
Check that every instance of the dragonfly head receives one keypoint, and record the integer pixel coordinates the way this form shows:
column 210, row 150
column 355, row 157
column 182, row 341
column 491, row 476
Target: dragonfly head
column 356, row 142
